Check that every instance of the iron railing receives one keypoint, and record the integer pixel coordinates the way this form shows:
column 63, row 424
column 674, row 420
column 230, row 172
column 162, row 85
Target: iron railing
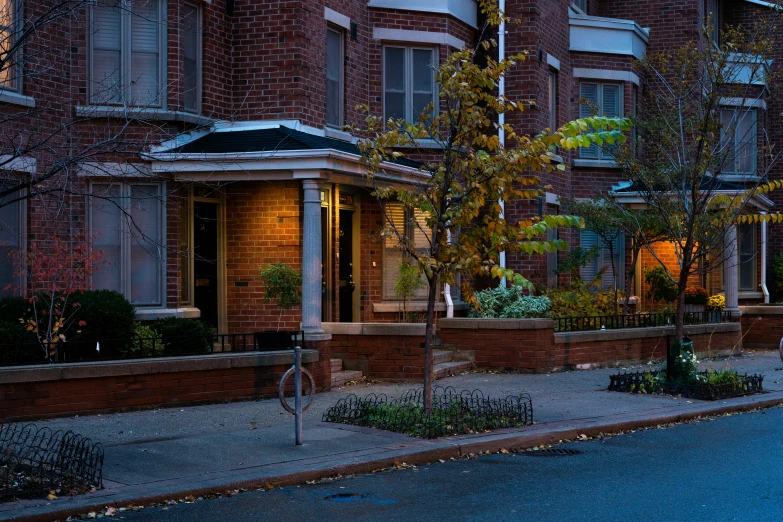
column 641, row 320
column 143, row 348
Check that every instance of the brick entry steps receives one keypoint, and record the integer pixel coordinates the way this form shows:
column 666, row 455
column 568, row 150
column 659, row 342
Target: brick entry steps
column 340, row 376
column 445, row 363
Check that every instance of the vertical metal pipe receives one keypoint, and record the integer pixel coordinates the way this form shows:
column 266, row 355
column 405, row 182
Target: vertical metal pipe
column 298, row 392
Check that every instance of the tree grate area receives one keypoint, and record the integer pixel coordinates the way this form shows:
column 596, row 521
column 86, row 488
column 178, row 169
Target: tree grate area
column 452, row 413
column 655, row 382
column 36, row 462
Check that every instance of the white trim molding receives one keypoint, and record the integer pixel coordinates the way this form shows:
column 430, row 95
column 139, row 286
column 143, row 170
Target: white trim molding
column 338, row 19
column 553, row 62
column 605, row 74
column 25, row 164
column 593, row 34
column 763, row 3
column 427, row 37
column 131, row 113
column 15, row 98
column 600, row 164
column 744, row 102
column 463, row 10
column 150, row 314
column 98, row 169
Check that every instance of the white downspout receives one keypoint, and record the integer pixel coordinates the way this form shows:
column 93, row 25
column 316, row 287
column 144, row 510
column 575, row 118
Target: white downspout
column 447, row 288
column 764, row 289
column 502, row 116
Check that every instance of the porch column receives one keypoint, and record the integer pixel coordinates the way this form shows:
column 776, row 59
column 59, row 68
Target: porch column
column 311, row 258
column 731, row 270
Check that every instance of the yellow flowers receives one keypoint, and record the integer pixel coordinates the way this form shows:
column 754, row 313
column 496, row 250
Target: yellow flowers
column 716, row 302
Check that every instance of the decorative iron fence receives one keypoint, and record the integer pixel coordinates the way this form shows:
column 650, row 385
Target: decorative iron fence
column 143, row 348
column 35, row 461
column 642, row 320
column 651, row 382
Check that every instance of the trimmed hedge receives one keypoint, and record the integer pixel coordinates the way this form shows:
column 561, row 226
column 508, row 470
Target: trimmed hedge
column 184, row 336
column 12, row 309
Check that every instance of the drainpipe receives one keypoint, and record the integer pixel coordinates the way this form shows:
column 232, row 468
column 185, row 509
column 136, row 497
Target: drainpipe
column 764, row 289
column 502, row 116
column 447, row 288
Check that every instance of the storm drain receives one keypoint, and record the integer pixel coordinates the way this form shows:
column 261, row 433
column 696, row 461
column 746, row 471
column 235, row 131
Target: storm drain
column 552, row 452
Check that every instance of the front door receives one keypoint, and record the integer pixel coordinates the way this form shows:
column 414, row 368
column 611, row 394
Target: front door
column 205, row 266
column 346, row 283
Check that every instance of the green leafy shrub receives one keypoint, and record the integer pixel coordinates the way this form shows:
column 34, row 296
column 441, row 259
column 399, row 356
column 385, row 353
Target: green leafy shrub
column 509, row 303
column 580, row 299
column 18, row 345
column 408, row 281
column 282, row 284
column 775, row 279
column 662, row 288
column 103, row 316
column 13, row 308
column 184, row 336
column 146, row 342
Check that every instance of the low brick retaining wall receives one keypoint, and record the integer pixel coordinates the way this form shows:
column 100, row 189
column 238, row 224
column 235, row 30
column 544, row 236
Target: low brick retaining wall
column 762, row 326
column 28, row 392
column 382, row 351
column 532, row 345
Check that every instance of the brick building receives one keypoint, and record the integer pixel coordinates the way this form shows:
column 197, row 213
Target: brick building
column 208, row 142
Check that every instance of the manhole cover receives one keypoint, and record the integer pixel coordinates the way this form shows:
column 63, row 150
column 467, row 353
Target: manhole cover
column 552, row 452
column 345, row 497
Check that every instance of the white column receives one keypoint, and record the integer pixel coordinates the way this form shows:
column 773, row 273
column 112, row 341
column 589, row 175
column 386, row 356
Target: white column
column 731, row 270
column 311, row 258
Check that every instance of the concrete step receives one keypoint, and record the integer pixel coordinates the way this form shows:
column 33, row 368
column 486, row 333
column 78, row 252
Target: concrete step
column 464, row 355
column 442, row 356
column 451, row 368
column 337, row 365
column 344, row 376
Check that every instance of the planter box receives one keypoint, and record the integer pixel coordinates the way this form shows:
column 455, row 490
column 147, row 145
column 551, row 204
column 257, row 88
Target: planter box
column 694, row 308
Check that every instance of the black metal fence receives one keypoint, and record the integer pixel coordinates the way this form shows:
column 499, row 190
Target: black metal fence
column 642, row 320
column 655, row 382
column 35, row 461
column 142, row 348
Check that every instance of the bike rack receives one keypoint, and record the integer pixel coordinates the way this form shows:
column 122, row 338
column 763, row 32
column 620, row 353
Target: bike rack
column 298, row 408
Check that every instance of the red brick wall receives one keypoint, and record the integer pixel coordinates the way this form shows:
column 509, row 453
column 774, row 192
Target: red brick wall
column 761, row 330
column 381, row 356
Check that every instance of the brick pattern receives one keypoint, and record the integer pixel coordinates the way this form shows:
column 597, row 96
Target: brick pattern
column 762, row 331
column 381, row 356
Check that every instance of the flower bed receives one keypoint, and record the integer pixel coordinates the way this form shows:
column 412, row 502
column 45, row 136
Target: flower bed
column 708, row 386
column 452, row 413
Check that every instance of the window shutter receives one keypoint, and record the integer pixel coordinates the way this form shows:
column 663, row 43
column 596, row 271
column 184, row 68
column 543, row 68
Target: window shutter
column 610, row 107
column 334, row 95
column 9, row 241
column 106, row 52
column 107, row 236
column 423, row 81
column 605, row 262
column 588, row 240
column 145, row 260
column 421, row 241
column 190, row 30
column 589, row 93
column 394, row 83
column 392, row 253
column 145, row 53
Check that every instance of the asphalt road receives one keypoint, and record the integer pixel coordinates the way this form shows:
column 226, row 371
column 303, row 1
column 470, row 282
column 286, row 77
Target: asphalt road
column 725, row 469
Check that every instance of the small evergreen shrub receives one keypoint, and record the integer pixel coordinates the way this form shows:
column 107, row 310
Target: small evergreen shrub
column 662, row 288
column 184, row 336
column 146, row 342
column 108, row 318
column 509, row 303
column 18, row 345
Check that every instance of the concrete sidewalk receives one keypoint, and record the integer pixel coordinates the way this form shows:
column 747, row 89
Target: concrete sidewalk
column 164, row 454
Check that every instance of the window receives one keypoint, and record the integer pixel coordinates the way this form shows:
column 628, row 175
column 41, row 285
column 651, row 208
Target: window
column 334, row 77
column 413, row 223
column 601, row 99
column 738, row 140
column 408, row 82
column 126, row 55
column 712, row 14
column 551, row 260
column 602, row 264
column 580, row 4
column 11, row 239
column 747, row 258
column 191, row 59
column 185, row 249
column 127, row 227
column 553, row 99
column 8, row 78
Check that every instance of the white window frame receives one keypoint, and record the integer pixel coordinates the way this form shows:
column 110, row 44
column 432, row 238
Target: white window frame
column 579, row 5
column 199, row 59
column 13, row 84
column 712, row 8
column 19, row 279
column 341, row 76
column 602, row 154
column 753, row 258
column 391, row 271
column 740, row 112
column 126, row 233
column 409, row 116
column 125, row 58
column 553, row 82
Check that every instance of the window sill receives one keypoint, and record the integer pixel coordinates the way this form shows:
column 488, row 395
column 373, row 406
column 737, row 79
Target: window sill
column 336, row 133
column 17, row 99
column 603, row 164
column 423, row 144
column 131, row 113
column 150, row 314
column 750, row 295
column 740, row 178
column 416, row 306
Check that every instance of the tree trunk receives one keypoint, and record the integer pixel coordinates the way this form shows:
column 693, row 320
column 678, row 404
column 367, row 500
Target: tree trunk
column 634, row 259
column 433, row 288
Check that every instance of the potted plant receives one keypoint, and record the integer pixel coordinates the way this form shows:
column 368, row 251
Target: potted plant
column 695, row 299
column 715, row 305
column 283, row 285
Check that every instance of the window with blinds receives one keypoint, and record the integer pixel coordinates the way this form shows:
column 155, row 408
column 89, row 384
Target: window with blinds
column 412, row 224
column 8, row 81
column 191, row 61
column 738, row 140
column 408, row 82
column 334, row 77
column 11, row 220
column 747, row 258
column 602, row 264
column 126, row 52
column 126, row 221
column 599, row 99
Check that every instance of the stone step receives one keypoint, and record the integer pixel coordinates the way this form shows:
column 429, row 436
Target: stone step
column 464, row 355
column 344, row 376
column 337, row 365
column 451, row 368
column 442, row 356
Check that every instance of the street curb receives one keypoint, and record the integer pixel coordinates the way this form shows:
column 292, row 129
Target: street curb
column 453, row 447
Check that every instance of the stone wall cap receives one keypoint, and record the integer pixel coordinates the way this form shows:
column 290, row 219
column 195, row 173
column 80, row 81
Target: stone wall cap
column 97, row 369
column 397, row 329
column 762, row 310
column 470, row 323
column 642, row 333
